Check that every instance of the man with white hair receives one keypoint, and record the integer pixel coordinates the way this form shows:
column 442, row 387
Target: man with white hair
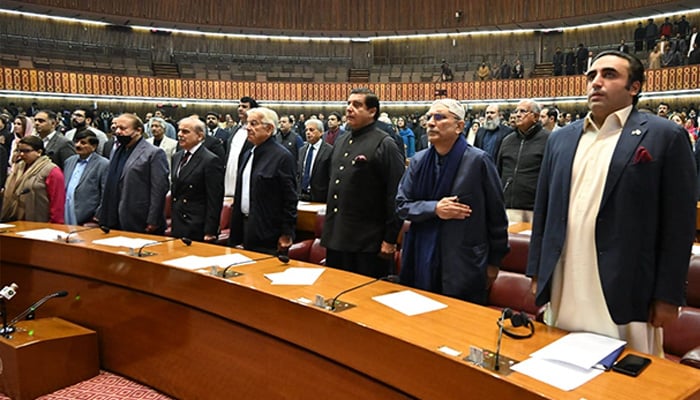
column 265, row 211
column 452, row 195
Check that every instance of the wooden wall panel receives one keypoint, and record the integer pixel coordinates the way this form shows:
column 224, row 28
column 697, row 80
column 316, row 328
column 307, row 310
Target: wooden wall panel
column 368, row 16
column 38, row 81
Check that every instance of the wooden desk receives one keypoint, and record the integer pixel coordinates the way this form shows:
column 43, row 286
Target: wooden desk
column 192, row 335
column 306, row 216
column 519, row 227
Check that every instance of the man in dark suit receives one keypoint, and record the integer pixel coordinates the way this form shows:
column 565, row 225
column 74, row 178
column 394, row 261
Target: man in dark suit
column 361, row 225
column 213, row 129
column 288, row 138
column 490, row 136
column 237, row 145
column 57, row 146
column 264, row 213
column 85, row 175
column 313, row 167
column 197, row 187
column 614, row 215
column 134, row 196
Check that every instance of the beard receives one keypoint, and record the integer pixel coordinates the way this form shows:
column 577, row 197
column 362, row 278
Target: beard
column 78, row 125
column 492, row 124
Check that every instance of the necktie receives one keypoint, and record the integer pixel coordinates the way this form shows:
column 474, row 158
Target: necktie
column 306, row 178
column 184, row 160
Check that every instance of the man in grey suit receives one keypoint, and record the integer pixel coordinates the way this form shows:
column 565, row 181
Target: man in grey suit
column 134, row 196
column 57, row 146
column 85, row 174
column 313, row 168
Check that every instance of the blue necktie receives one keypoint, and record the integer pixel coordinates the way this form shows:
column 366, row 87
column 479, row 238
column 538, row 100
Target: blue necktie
column 306, row 179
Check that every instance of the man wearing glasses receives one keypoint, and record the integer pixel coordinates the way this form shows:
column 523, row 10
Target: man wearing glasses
column 451, row 194
column 81, row 121
column 519, row 161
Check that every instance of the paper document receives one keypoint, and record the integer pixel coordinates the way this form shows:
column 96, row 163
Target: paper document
column 44, row 234
column 295, row 276
column 5, row 226
column 123, row 241
column 696, row 250
column 197, row 262
column 409, row 303
column 306, row 206
column 570, row 361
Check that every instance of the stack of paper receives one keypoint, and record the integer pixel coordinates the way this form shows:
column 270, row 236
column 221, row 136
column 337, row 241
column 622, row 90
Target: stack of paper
column 409, row 303
column 295, row 276
column 572, row 360
column 123, row 241
column 197, row 262
column 44, row 234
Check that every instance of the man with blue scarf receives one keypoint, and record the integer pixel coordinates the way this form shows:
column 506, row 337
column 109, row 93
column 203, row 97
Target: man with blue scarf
column 452, row 195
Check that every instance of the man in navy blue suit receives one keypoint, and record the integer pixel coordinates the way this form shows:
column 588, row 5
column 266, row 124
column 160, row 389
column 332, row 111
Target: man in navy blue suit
column 614, row 217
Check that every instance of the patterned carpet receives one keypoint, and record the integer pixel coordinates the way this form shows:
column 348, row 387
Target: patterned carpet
column 105, row 386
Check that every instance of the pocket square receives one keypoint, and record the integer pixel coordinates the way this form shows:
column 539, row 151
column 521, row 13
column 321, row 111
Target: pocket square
column 642, row 155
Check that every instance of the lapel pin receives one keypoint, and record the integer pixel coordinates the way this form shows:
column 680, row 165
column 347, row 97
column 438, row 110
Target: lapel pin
column 636, row 132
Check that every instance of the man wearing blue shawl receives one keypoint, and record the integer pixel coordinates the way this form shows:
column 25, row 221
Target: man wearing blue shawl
column 452, row 195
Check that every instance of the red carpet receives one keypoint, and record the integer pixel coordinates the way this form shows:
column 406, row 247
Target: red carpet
column 105, row 386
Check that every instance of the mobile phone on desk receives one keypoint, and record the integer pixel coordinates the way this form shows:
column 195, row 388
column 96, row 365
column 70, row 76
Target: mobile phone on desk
column 631, row 365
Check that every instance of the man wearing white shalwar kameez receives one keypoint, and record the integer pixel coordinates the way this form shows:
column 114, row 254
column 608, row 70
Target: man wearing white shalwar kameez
column 614, row 215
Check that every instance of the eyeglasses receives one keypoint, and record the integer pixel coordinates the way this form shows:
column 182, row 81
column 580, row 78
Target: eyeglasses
column 436, row 117
column 25, row 150
column 522, row 111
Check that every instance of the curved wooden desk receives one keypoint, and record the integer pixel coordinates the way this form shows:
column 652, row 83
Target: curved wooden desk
column 192, row 335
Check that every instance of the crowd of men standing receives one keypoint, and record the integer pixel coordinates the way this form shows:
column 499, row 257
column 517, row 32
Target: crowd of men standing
column 584, row 186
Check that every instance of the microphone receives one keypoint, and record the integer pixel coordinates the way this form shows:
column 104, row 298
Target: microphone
column 104, row 229
column 280, row 256
column 332, row 305
column 9, row 328
column 141, row 253
column 506, row 313
column 9, row 291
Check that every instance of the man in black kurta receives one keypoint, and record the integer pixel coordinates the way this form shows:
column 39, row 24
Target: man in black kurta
column 361, row 225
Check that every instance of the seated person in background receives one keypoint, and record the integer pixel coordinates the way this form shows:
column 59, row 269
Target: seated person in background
column 85, row 176
column 35, row 189
column 451, row 193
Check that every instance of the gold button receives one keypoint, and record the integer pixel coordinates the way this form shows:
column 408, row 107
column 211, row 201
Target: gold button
column 337, row 181
column 335, row 196
column 350, row 141
column 335, row 210
column 342, row 167
column 345, row 155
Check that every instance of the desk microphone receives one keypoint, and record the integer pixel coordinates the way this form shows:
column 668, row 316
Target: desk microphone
column 29, row 312
column 502, row 318
column 140, row 253
column 7, row 293
column 104, row 229
column 388, row 278
column 282, row 256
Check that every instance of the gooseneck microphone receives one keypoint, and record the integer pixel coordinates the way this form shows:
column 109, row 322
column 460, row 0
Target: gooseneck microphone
column 503, row 316
column 104, row 229
column 9, row 328
column 141, row 253
column 333, row 303
column 7, row 293
column 282, row 256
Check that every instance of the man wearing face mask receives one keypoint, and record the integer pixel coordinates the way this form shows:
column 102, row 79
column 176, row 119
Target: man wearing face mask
column 81, row 121
column 137, row 181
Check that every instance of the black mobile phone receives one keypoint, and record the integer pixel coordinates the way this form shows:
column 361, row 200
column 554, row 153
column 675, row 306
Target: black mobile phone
column 631, row 365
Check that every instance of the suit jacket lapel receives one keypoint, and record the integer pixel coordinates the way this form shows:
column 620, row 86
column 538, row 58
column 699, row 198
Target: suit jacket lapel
column 569, row 147
column 86, row 171
column 190, row 166
column 135, row 154
column 321, row 150
column 624, row 150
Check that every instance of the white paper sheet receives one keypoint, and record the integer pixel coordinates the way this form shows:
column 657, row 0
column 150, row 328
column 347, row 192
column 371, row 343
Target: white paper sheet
column 5, row 226
column 306, row 206
column 556, row 373
column 295, row 276
column 409, row 303
column 582, row 349
column 123, row 241
column 197, row 262
column 696, row 250
column 44, row 234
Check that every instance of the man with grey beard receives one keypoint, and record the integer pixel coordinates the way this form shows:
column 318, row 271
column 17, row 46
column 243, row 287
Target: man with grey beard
column 490, row 136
